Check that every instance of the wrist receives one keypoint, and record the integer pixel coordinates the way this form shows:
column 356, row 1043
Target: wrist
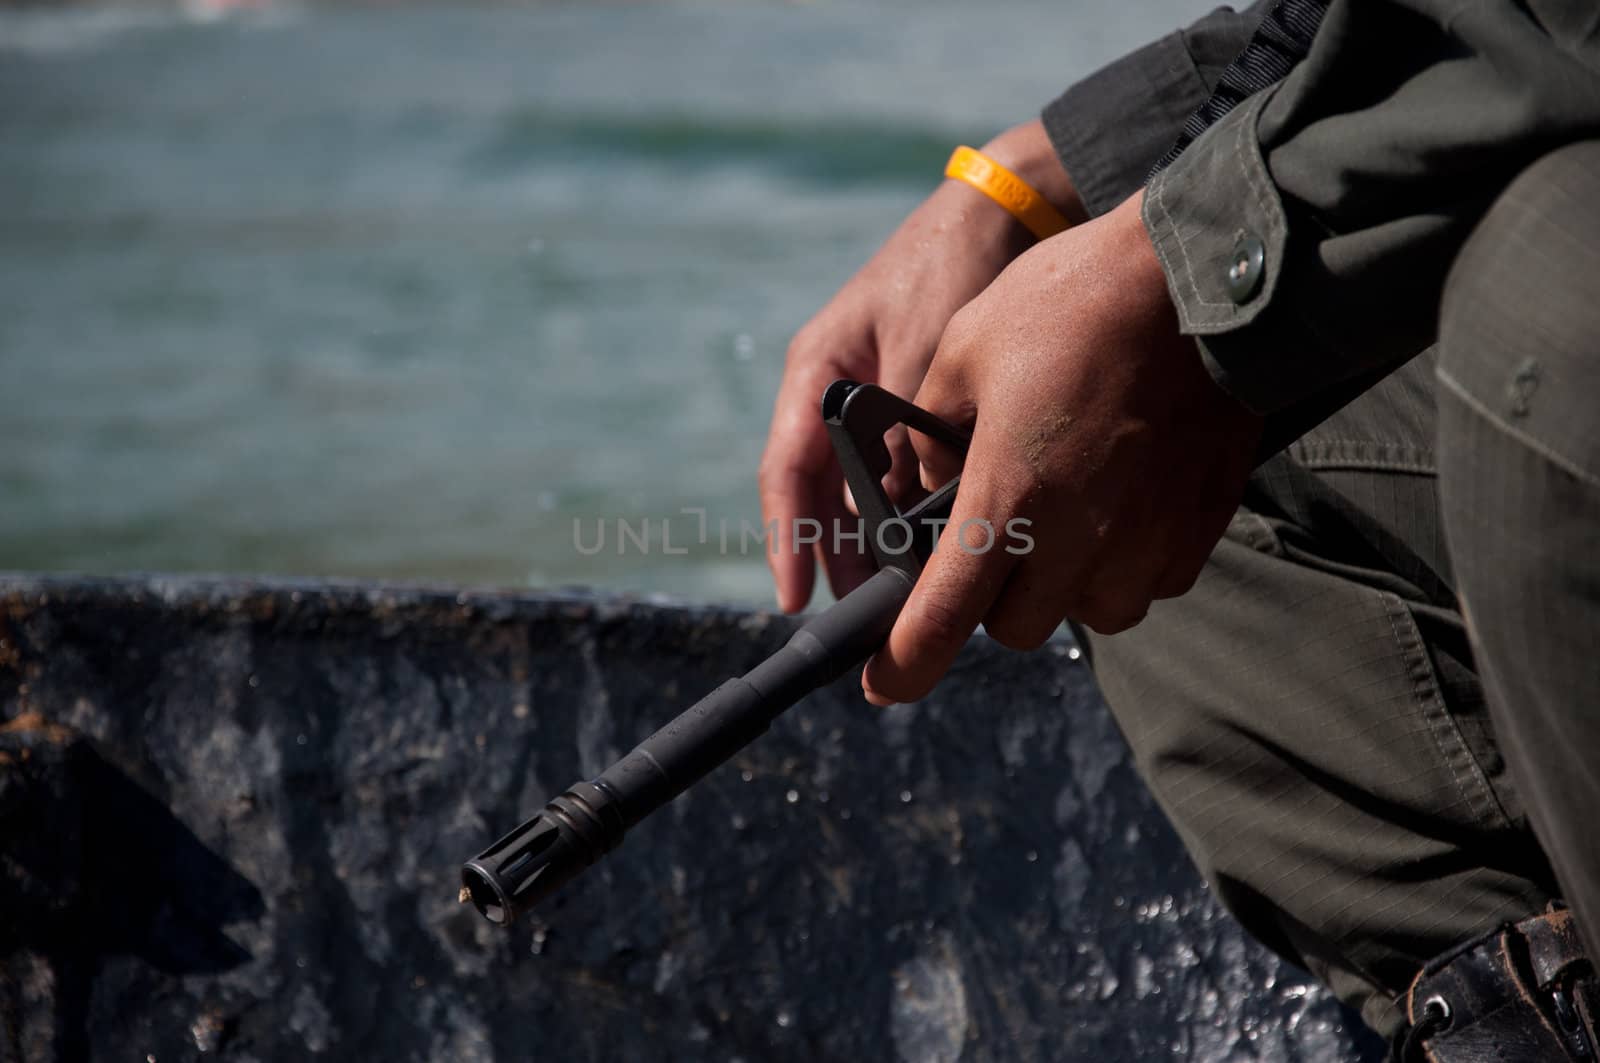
column 987, row 228
column 1026, row 151
column 1141, row 275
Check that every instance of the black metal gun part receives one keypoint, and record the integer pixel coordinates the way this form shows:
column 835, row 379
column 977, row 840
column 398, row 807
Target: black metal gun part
column 590, row 818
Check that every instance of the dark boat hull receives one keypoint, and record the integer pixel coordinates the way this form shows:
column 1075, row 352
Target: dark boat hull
column 233, row 814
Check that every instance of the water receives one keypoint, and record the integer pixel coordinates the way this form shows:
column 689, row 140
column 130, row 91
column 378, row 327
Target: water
column 403, row 292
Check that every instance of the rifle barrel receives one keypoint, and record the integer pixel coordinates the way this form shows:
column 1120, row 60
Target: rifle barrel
column 579, row 827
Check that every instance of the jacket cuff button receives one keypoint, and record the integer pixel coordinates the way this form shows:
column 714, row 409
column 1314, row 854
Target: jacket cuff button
column 1246, row 266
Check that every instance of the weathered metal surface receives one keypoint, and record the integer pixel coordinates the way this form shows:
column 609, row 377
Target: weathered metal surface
column 233, row 813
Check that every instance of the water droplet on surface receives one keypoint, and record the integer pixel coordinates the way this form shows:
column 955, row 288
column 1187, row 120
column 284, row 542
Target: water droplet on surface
column 1033, row 856
column 905, row 797
column 844, row 813
column 738, row 822
column 793, row 797
column 300, row 740
column 254, row 681
column 1074, row 653
column 747, row 775
column 785, row 1018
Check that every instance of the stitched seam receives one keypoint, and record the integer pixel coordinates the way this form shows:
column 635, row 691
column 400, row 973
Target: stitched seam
column 1369, row 465
column 1183, row 249
column 1390, row 605
column 1246, row 160
column 1544, row 450
column 1246, row 124
column 1354, row 453
column 1441, row 725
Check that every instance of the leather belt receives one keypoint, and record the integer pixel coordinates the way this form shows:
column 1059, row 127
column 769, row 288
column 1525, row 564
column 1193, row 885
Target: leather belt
column 1526, row 993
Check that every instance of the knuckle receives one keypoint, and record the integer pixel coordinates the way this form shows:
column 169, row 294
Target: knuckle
column 1113, row 622
column 941, row 627
column 960, row 326
column 1179, row 583
column 901, row 481
column 802, row 343
column 1109, row 616
column 776, row 477
column 1016, row 634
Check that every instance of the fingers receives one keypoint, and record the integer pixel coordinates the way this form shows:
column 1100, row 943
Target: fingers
column 905, row 364
column 901, row 482
column 847, row 562
column 1192, row 554
column 956, row 589
column 946, row 392
column 797, row 455
column 784, row 489
column 1030, row 606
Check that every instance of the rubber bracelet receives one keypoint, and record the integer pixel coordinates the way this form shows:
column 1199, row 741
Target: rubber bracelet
column 1007, row 189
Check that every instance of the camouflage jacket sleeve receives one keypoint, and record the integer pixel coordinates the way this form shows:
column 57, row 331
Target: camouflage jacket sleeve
column 1306, row 234
column 1111, row 127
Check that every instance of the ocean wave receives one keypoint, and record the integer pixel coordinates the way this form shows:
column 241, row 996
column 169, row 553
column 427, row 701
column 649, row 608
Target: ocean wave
column 832, row 152
column 48, row 32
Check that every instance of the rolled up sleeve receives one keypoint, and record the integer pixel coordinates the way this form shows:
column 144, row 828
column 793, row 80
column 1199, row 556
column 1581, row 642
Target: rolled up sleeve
column 1306, row 235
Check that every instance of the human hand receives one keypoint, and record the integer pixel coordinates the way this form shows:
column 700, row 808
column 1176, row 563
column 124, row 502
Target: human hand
column 1095, row 420
column 883, row 327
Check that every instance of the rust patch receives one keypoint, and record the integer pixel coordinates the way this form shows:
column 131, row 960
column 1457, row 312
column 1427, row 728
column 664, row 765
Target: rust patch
column 32, row 720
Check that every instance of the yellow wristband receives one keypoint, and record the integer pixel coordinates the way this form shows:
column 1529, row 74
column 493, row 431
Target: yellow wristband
column 1006, row 189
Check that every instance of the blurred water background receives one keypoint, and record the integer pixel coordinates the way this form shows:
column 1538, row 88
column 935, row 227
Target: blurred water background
column 402, row 292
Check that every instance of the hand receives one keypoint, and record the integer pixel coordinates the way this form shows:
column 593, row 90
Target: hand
column 1096, row 420
column 883, row 328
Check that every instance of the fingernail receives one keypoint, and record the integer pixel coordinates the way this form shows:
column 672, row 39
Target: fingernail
column 926, row 478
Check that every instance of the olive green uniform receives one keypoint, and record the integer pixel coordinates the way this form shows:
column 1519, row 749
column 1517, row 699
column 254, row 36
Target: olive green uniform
column 1313, row 715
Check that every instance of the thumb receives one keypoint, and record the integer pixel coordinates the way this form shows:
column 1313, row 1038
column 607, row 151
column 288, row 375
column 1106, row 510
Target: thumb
column 947, row 393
